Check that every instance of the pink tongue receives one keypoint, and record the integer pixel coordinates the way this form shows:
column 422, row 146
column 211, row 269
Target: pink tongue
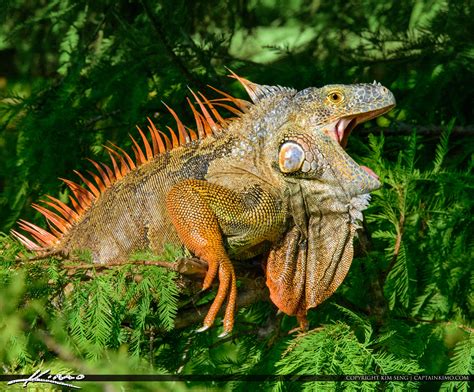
column 370, row 172
column 340, row 128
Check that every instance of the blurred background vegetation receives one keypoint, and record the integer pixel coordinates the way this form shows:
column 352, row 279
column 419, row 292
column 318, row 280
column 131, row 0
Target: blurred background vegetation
column 74, row 74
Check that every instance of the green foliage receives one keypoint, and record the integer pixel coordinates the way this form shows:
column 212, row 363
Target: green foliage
column 335, row 349
column 74, row 74
column 422, row 330
column 461, row 363
column 52, row 319
column 424, row 215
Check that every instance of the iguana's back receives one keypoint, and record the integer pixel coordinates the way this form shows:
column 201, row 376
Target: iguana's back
column 123, row 210
column 131, row 214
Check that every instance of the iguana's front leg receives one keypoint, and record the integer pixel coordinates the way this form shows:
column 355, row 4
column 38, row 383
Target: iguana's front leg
column 209, row 217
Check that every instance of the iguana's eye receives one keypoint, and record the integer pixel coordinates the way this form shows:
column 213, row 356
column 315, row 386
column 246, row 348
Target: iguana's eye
column 335, row 97
column 291, row 157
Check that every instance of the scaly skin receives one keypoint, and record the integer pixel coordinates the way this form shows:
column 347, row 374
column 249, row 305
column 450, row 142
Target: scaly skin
column 276, row 178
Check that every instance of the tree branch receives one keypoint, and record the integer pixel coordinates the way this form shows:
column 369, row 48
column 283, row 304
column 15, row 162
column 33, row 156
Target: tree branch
column 396, row 250
column 465, row 328
column 186, row 265
column 61, row 351
column 400, row 128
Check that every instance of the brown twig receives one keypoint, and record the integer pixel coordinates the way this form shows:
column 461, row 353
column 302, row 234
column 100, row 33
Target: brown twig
column 396, row 250
column 100, row 117
column 67, row 356
column 186, row 265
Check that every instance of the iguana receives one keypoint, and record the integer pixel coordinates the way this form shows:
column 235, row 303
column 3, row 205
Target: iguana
column 274, row 180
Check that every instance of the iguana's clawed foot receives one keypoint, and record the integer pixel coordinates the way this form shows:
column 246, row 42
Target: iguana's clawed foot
column 211, row 273
column 227, row 288
column 198, row 228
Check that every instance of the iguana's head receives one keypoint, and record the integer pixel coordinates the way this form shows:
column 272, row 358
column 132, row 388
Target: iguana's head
column 309, row 145
column 293, row 135
column 339, row 108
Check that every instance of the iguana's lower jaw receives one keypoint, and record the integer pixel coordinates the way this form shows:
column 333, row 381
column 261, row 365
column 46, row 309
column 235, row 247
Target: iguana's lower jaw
column 341, row 129
column 369, row 171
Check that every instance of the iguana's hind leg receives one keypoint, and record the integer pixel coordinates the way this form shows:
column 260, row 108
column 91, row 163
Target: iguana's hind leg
column 189, row 204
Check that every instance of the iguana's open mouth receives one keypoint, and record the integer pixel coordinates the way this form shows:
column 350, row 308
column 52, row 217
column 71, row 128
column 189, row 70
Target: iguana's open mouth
column 342, row 128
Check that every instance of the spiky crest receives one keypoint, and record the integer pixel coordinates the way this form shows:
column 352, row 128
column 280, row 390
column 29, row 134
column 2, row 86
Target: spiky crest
column 208, row 122
column 259, row 91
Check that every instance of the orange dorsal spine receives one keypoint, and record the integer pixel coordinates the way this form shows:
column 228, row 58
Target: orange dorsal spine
column 61, row 217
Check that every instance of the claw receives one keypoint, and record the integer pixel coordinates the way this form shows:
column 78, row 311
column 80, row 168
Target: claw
column 223, row 334
column 202, row 329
